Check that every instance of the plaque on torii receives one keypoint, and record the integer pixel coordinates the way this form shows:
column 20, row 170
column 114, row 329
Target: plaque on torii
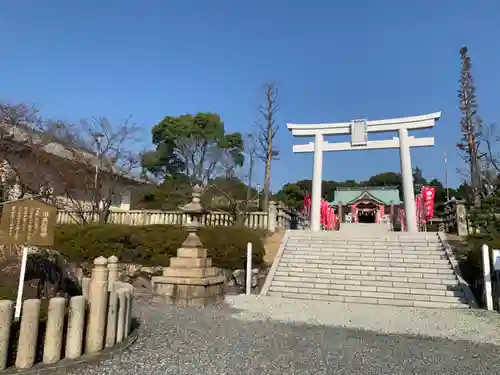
column 358, row 130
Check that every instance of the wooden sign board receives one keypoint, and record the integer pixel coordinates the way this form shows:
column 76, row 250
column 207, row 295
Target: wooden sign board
column 28, row 222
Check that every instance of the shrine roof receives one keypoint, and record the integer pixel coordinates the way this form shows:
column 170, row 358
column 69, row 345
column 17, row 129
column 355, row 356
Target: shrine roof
column 382, row 194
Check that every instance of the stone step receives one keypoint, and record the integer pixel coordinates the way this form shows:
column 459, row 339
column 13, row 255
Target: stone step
column 367, row 239
column 362, row 248
column 364, row 244
column 430, row 259
column 383, row 255
column 367, row 254
column 369, row 266
column 354, row 285
column 448, row 285
column 366, row 269
column 372, row 300
column 375, row 275
column 402, row 261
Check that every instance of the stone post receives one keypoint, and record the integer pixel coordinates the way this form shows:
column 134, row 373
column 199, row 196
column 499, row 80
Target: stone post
column 86, row 288
column 407, row 174
column 76, row 325
column 316, row 183
column 130, row 309
column 6, row 311
column 28, row 334
column 112, row 318
column 122, row 305
column 272, row 217
column 98, row 306
column 54, row 331
column 112, row 271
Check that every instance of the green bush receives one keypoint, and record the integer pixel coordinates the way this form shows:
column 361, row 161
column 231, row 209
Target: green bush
column 471, row 258
column 156, row 244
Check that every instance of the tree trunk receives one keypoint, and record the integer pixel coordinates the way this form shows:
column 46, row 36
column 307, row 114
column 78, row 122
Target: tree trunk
column 267, row 183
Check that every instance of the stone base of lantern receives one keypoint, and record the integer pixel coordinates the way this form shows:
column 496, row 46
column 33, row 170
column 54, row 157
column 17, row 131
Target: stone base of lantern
column 190, row 280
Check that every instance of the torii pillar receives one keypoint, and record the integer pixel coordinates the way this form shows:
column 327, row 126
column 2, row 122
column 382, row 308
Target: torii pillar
column 359, row 129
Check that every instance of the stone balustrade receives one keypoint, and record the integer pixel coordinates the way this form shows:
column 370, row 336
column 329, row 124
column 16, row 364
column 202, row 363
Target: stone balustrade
column 280, row 218
column 86, row 324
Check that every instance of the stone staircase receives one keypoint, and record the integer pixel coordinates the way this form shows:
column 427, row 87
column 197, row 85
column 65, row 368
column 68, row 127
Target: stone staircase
column 392, row 268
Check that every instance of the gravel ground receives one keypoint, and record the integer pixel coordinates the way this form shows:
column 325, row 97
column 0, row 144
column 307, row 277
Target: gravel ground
column 253, row 335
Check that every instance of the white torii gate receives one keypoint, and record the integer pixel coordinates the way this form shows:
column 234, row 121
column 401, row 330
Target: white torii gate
column 359, row 129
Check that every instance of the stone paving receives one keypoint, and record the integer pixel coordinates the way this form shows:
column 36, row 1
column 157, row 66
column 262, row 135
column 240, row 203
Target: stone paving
column 265, row 335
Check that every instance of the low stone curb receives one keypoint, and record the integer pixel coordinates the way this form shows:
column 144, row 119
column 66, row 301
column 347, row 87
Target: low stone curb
column 84, row 359
column 274, row 267
column 453, row 261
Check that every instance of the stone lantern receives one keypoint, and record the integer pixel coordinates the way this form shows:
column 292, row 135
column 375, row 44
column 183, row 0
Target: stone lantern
column 191, row 280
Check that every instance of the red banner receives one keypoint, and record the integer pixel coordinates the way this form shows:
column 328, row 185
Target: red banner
column 429, row 195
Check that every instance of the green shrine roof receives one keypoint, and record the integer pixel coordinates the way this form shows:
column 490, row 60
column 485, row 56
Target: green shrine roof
column 383, row 194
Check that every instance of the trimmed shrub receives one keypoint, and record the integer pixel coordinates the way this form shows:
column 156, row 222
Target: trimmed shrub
column 156, row 244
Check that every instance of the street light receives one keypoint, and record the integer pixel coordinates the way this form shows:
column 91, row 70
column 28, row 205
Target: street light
column 97, row 139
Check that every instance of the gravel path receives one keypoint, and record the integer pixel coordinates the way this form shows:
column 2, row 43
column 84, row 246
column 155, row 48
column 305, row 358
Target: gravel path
column 305, row 337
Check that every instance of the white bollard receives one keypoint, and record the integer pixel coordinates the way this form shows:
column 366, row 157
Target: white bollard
column 487, row 277
column 19, row 300
column 248, row 274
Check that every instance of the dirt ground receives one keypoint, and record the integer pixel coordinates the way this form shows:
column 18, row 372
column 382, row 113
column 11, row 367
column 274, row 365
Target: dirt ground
column 272, row 245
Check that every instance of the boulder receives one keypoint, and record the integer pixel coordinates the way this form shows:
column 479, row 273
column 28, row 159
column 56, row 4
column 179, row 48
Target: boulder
column 239, row 277
column 142, row 285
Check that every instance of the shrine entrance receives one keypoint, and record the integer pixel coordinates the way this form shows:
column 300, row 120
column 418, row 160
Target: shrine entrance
column 367, row 212
column 359, row 130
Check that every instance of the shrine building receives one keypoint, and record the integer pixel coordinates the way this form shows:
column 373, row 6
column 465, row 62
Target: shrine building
column 368, row 204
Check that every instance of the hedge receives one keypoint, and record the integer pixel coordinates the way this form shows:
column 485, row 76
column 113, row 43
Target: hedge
column 156, row 244
column 472, row 260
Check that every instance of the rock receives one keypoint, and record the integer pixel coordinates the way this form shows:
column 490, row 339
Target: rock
column 143, row 284
column 152, row 271
column 132, row 269
column 147, row 270
column 228, row 274
column 52, row 274
column 232, row 289
column 78, row 272
column 239, row 277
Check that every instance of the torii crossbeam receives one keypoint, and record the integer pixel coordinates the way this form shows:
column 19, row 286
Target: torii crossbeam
column 359, row 129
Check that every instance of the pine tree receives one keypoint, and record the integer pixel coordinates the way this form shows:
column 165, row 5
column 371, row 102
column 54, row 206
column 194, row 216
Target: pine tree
column 471, row 126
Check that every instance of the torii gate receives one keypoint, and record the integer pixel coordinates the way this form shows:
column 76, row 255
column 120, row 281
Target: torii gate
column 359, row 129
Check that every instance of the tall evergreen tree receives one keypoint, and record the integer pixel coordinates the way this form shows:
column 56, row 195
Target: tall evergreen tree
column 471, row 126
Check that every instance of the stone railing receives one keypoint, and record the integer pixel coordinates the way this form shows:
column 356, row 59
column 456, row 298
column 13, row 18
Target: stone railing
column 87, row 324
column 455, row 217
column 276, row 217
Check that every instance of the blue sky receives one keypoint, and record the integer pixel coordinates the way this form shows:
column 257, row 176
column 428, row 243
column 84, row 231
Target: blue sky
column 332, row 60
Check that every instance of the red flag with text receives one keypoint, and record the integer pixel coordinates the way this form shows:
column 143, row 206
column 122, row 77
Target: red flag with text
column 429, row 195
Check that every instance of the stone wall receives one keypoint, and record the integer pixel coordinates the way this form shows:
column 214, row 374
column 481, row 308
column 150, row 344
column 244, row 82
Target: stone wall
column 82, row 325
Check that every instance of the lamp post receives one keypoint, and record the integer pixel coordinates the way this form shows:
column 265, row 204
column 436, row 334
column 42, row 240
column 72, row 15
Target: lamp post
column 258, row 196
column 97, row 139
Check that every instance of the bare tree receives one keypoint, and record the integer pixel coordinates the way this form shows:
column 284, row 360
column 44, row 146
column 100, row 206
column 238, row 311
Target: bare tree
column 16, row 144
column 252, row 150
column 80, row 168
column 471, row 126
column 268, row 127
column 103, row 164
